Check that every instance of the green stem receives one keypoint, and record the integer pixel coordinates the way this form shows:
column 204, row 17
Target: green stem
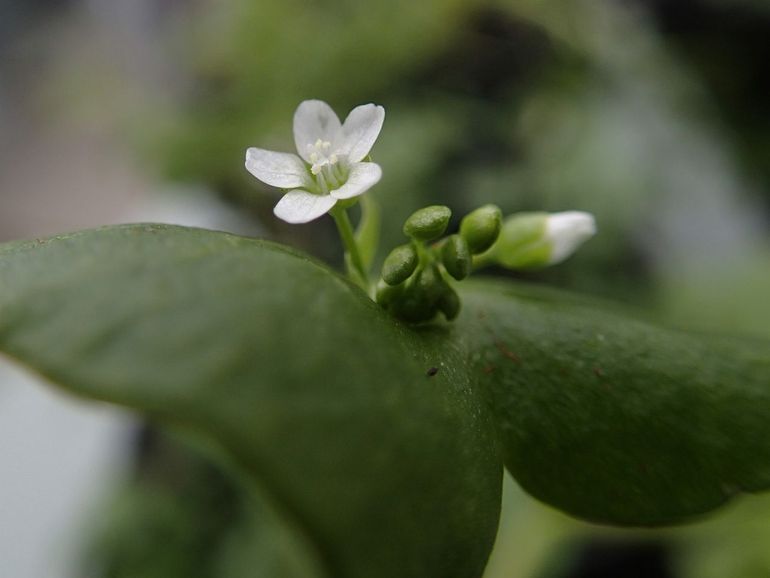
column 484, row 260
column 345, row 229
column 423, row 254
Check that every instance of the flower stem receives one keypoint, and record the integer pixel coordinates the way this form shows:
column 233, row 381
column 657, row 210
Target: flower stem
column 484, row 260
column 345, row 228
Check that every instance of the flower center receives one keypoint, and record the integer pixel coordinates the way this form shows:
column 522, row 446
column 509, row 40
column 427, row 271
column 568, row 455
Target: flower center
column 326, row 166
column 319, row 155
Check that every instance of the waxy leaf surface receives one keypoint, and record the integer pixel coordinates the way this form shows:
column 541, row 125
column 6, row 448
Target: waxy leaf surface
column 293, row 371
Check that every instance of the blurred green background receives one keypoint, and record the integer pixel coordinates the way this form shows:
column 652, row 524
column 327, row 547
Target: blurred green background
column 652, row 115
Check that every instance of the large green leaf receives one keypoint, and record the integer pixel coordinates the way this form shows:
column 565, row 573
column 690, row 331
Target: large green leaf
column 612, row 418
column 304, row 381
column 375, row 439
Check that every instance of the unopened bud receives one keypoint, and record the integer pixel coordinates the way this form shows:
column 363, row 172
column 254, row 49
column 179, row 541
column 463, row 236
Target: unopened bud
column 480, row 228
column 532, row 240
column 567, row 231
column 449, row 304
column 399, row 264
column 387, row 294
column 456, row 257
column 418, row 302
column 431, row 283
column 427, row 223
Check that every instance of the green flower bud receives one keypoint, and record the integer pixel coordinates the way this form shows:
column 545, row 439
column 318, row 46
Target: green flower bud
column 456, row 257
column 419, row 301
column 449, row 304
column 480, row 228
column 399, row 264
column 427, row 223
column 431, row 283
column 386, row 294
column 413, row 306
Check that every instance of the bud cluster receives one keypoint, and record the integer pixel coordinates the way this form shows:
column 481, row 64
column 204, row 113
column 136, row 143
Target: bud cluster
column 415, row 282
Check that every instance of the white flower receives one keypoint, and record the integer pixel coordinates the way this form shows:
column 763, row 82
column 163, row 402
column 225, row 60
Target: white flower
column 566, row 232
column 328, row 168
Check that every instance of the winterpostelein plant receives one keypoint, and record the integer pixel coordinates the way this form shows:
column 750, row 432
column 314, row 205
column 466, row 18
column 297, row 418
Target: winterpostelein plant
column 375, row 434
column 328, row 176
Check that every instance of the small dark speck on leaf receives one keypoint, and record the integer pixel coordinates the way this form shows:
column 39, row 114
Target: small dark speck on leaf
column 432, row 371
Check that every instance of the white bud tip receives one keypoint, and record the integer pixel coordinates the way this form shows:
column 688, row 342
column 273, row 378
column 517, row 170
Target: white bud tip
column 567, row 231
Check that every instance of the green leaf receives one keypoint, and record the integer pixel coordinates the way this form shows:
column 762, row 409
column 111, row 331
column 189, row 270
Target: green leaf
column 613, row 419
column 375, row 439
column 386, row 467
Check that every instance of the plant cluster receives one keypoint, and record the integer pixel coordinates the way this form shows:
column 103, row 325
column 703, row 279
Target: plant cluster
column 329, row 174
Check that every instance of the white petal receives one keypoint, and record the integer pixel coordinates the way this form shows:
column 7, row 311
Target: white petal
column 301, row 207
column 360, row 130
column 567, row 231
column 361, row 178
column 314, row 120
column 283, row 170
